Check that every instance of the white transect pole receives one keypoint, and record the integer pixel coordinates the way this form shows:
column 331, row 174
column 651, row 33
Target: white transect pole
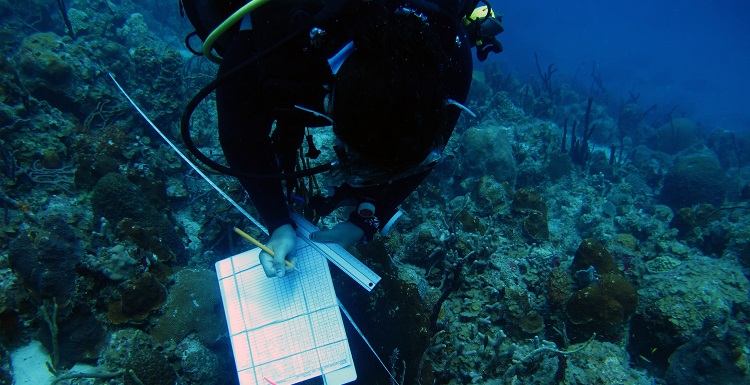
column 335, row 253
column 191, row 164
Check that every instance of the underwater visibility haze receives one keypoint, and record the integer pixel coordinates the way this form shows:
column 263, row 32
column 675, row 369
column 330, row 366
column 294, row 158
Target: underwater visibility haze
column 686, row 54
column 588, row 224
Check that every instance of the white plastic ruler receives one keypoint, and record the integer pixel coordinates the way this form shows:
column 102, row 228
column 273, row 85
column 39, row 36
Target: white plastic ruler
column 338, row 255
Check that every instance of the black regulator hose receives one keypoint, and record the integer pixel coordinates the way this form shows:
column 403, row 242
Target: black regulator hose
column 211, row 87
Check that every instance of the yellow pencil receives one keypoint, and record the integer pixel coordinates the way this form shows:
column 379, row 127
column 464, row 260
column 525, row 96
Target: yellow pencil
column 262, row 246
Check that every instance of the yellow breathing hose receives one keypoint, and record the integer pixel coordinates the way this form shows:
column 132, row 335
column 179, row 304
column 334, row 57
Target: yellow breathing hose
column 228, row 23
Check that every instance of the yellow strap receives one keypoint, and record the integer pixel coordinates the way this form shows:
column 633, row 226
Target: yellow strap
column 228, row 23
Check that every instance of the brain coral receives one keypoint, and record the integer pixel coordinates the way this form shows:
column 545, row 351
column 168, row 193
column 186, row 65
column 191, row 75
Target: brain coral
column 675, row 136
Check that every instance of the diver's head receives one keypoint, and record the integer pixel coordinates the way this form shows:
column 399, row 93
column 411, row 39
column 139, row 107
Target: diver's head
column 389, row 107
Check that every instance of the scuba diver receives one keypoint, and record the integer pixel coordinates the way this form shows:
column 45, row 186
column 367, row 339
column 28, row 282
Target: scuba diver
column 391, row 77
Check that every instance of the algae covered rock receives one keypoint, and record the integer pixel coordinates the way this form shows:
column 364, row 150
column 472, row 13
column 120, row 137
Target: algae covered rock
column 490, row 153
column 677, row 304
column 719, row 357
column 132, row 349
column 490, row 197
column 198, row 364
column 79, row 335
column 138, row 298
column 603, row 363
column 52, row 69
column 45, row 63
column 194, row 306
column 535, row 223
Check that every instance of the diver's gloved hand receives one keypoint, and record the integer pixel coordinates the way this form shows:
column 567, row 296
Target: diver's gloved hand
column 345, row 234
column 283, row 241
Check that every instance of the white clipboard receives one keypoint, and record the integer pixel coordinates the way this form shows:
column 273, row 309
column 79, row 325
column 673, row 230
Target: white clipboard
column 285, row 329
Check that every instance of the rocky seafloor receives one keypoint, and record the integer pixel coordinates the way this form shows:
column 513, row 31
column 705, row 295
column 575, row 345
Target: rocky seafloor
column 568, row 237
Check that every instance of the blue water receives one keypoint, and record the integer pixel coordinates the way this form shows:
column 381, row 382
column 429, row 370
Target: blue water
column 692, row 54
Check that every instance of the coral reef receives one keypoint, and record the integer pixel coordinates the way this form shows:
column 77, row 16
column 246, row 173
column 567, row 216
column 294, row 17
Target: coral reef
column 617, row 251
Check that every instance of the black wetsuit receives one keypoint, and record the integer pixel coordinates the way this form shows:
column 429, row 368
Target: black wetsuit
column 295, row 74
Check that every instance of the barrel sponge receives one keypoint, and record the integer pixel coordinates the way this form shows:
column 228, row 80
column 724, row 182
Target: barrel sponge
column 694, row 179
column 608, row 302
column 116, row 198
column 592, row 253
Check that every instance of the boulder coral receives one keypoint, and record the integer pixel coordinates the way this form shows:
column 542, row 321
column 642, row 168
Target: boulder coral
column 694, row 179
